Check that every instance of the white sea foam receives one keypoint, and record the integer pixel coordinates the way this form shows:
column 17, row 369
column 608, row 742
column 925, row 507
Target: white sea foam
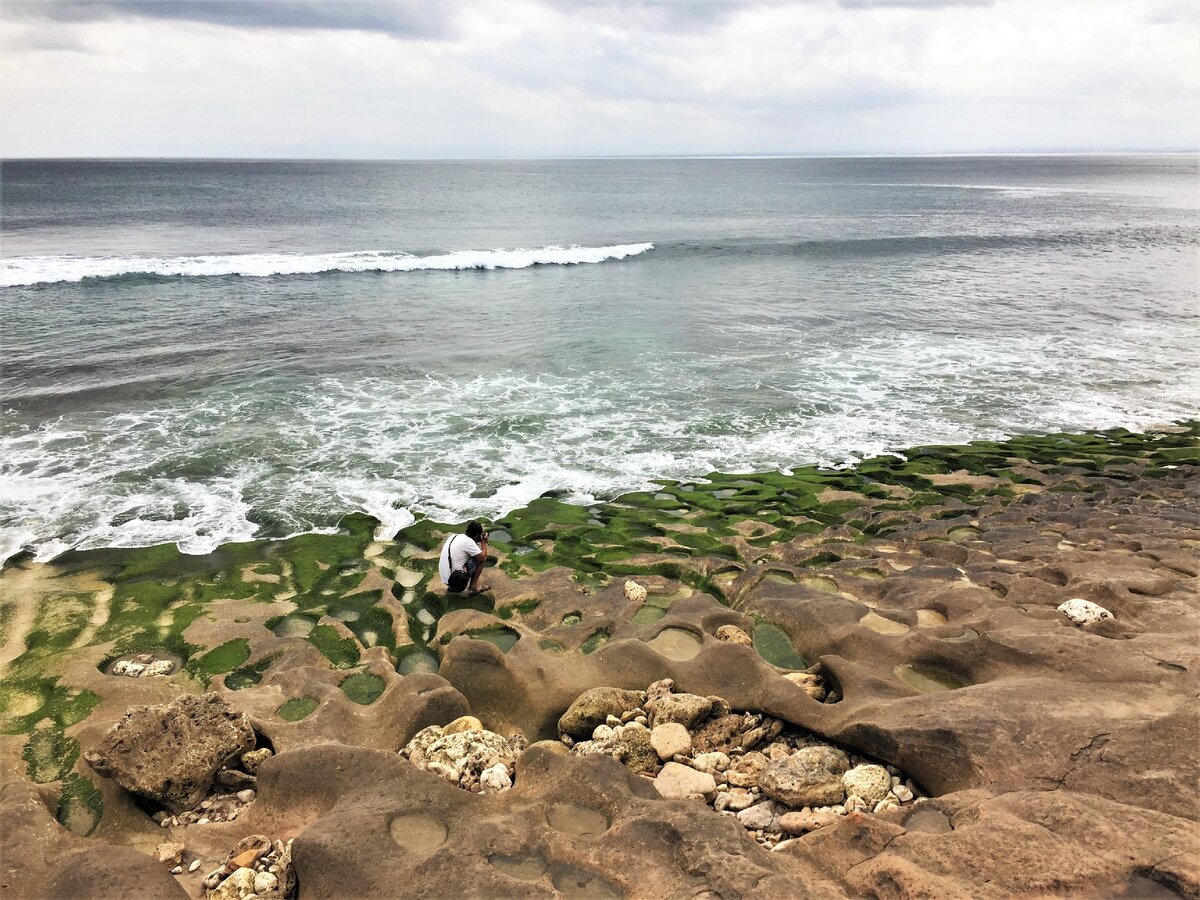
column 29, row 270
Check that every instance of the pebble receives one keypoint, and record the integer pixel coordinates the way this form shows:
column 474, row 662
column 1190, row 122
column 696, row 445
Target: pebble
column 642, row 720
column 194, row 866
column 761, row 816
column 602, row 733
column 612, row 721
column 246, row 796
column 178, row 870
column 903, row 794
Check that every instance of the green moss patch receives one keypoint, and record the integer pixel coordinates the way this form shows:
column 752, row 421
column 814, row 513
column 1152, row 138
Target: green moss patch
column 80, row 805
column 225, row 658
column 342, row 652
column 775, row 646
column 296, row 709
column 363, row 688
column 49, row 755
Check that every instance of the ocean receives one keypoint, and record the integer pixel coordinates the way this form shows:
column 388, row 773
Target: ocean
column 209, row 351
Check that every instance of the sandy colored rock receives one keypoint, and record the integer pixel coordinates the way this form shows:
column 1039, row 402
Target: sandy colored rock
column 252, row 759
column 869, row 782
column 734, row 635
column 170, row 853
column 685, row 709
column 237, row 886
column 745, row 769
column 594, row 706
column 801, row 822
column 679, row 782
column 463, row 723
column 812, row 776
column 170, row 754
column 670, row 740
column 634, row 592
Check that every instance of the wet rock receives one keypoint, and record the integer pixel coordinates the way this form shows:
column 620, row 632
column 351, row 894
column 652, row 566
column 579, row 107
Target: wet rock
column 170, row 754
column 593, row 707
column 634, row 592
column 670, row 740
column 812, row 776
column 871, row 783
column 1084, row 612
column 247, row 796
column 734, row 635
column 678, row 782
column 684, row 709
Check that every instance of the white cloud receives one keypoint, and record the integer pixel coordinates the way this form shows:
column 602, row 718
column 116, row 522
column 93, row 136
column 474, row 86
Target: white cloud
column 536, row 78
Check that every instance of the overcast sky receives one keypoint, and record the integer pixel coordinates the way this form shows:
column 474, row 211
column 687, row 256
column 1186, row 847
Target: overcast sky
column 530, row 78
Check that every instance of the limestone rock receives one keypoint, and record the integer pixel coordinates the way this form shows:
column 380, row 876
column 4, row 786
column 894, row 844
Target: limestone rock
column 463, row 723
column 170, row 754
column 760, row 816
column 415, row 748
column 745, row 770
column 719, row 735
column 678, row 782
column 869, row 782
column 813, row 685
column 265, row 883
column 170, row 853
column 812, row 776
column 252, row 759
column 236, row 887
column 495, row 779
column 247, row 851
column 686, row 709
column 469, row 753
column 1084, row 612
column 712, row 763
column 735, row 801
column 592, row 707
column 670, row 740
column 734, row 635
column 636, row 751
column 802, row 822
column 634, row 592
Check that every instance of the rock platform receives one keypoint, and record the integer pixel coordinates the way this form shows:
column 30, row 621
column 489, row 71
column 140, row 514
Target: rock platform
column 870, row 681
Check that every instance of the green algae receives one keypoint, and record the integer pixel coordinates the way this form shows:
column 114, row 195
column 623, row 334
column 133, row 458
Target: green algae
column 775, row 646
column 503, row 637
column 25, row 702
column 341, row 651
column 80, row 805
column 594, row 641
column 364, row 688
column 646, row 614
column 224, row 658
column 296, row 709
column 250, row 675
column 49, row 755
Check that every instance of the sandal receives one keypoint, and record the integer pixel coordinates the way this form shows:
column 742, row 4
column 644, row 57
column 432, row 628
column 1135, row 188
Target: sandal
column 480, row 590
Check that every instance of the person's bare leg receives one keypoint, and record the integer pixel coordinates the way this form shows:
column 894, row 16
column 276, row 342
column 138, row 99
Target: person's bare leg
column 477, row 575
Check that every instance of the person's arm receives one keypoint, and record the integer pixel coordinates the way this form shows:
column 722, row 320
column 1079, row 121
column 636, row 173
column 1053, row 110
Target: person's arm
column 481, row 557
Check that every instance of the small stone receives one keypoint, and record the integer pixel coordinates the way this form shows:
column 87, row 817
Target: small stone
column 758, row 816
column 671, row 740
column 165, row 823
column 869, row 782
column 602, row 733
column 804, row 822
column 642, row 720
column 265, row 883
column 177, row 870
column 246, row 796
column 247, row 851
column 205, row 804
column 634, row 592
column 735, row 801
column 203, row 820
column 612, row 722
column 636, row 725
column 213, row 878
column 1084, row 612
column 252, row 759
column 777, row 751
column 744, row 770
column 810, row 776
column 685, row 709
column 169, row 853
column 903, row 794
column 494, row 779
column 238, row 886
column 567, row 740
column 811, row 684
column 677, row 782
column 463, row 723
column 885, row 804
column 194, row 866
column 712, row 763
column 232, row 778
column 593, row 707
column 158, row 668
column 734, row 635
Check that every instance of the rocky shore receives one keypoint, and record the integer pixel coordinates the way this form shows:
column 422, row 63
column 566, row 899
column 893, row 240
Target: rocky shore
column 958, row 672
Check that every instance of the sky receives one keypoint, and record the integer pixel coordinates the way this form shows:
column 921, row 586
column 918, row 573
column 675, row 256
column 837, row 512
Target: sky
column 518, row 78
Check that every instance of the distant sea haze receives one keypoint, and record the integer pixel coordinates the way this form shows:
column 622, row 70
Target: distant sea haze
column 207, row 351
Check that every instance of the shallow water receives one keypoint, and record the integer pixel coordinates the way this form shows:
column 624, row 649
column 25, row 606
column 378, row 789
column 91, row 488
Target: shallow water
column 260, row 348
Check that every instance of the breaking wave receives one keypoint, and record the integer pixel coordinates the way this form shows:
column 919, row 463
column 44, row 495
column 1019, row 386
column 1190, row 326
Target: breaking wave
column 30, row 270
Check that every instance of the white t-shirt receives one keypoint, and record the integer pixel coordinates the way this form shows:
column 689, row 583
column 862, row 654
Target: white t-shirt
column 461, row 548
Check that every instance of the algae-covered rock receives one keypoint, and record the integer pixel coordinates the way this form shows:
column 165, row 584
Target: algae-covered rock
column 171, row 754
column 593, row 707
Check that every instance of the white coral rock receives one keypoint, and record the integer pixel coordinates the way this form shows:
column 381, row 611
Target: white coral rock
column 634, row 592
column 1084, row 612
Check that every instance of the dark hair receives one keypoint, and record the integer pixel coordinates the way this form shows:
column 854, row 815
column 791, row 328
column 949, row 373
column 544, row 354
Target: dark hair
column 474, row 530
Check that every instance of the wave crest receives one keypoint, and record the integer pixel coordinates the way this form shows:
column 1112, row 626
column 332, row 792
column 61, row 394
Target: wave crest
column 30, row 270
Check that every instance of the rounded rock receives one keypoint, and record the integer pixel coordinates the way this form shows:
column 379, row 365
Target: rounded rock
column 670, row 740
column 869, row 782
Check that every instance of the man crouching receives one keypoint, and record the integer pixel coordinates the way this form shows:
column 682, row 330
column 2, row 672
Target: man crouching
column 462, row 560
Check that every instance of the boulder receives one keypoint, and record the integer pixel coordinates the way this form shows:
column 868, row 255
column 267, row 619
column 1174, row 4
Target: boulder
column 678, row 782
column 170, row 754
column 686, row 709
column 670, row 740
column 869, row 782
column 470, row 752
column 1084, row 612
column 593, row 707
column 812, row 776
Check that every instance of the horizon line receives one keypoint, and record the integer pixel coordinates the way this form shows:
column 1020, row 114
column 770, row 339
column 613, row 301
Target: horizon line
column 611, row 157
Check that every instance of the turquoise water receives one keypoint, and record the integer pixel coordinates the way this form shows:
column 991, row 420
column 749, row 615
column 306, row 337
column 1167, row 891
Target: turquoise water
column 201, row 352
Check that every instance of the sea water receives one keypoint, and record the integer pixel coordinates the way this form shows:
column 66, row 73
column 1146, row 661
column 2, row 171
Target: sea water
column 207, row 351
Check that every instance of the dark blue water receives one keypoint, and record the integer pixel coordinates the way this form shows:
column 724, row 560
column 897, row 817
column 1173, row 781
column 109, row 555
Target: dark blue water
column 201, row 351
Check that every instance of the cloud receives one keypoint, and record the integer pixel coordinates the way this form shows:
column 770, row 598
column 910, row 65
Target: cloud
column 397, row 18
